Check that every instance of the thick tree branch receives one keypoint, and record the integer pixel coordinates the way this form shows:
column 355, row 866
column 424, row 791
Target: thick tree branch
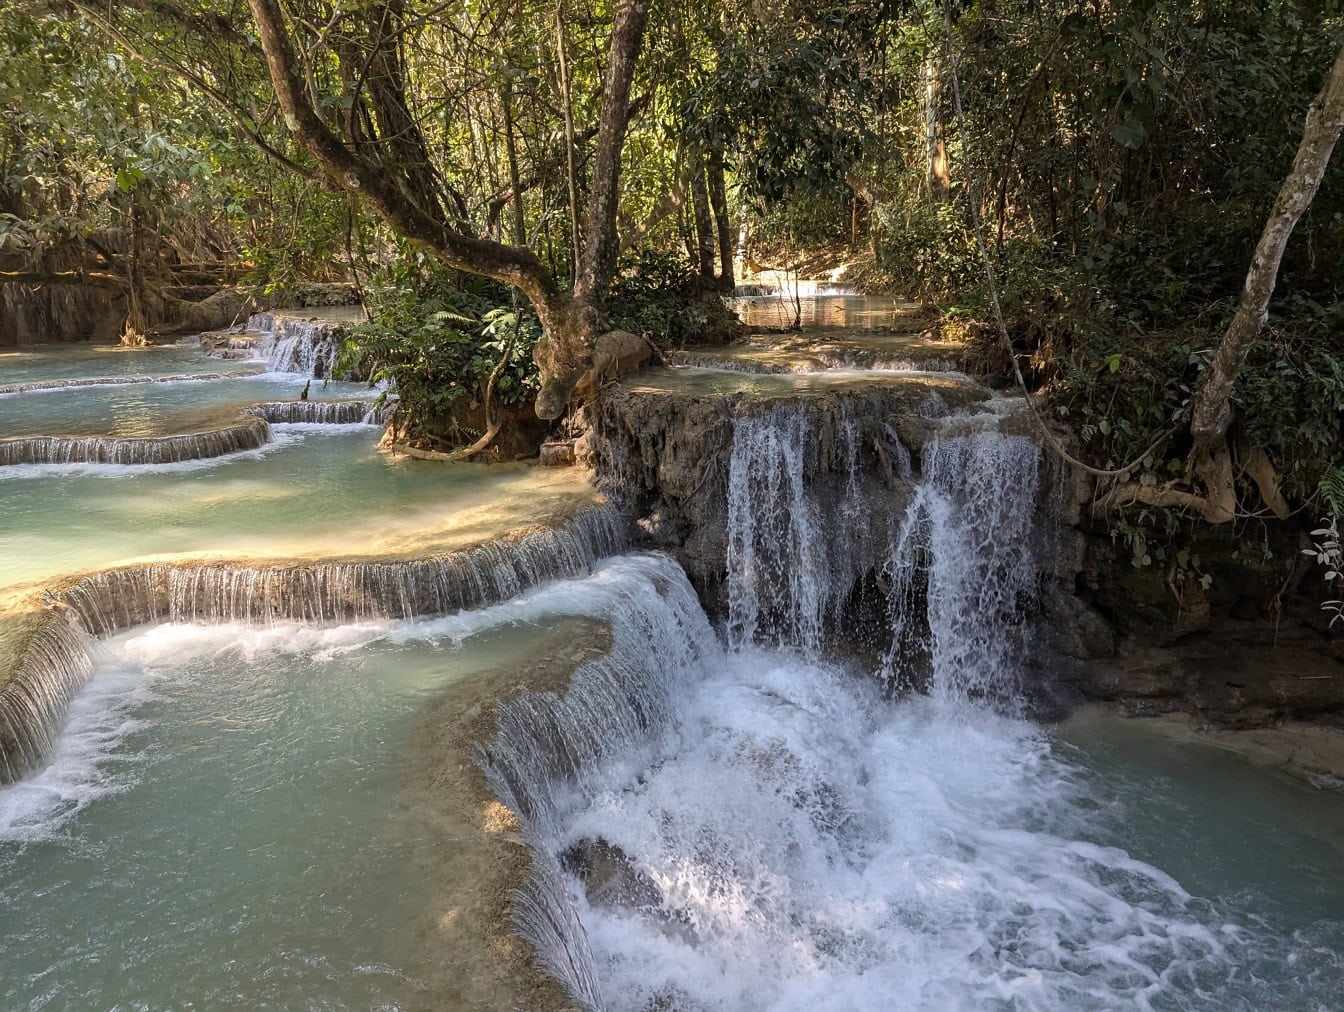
column 1212, row 411
column 346, row 170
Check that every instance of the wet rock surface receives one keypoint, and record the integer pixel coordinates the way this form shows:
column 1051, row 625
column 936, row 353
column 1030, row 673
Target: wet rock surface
column 664, row 442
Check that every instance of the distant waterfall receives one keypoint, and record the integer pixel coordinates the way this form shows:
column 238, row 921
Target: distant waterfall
column 306, row 347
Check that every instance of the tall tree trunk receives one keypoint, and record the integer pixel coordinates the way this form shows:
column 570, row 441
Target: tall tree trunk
column 718, row 200
column 1212, row 412
column 599, row 260
column 704, row 226
column 936, row 165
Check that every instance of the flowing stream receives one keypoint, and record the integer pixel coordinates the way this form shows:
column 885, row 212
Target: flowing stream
column 735, row 818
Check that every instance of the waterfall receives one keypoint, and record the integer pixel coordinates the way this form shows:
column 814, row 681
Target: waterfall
column 246, row 435
column 590, row 774
column 802, row 514
column 619, row 706
column 807, row 360
column 778, row 567
column 54, row 665
column 306, row 347
column 970, row 537
column 54, row 662
column 317, row 412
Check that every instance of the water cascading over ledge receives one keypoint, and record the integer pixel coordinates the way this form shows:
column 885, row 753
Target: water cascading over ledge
column 53, row 663
column 959, row 518
column 343, row 412
column 251, row 432
column 289, row 344
column 248, row 434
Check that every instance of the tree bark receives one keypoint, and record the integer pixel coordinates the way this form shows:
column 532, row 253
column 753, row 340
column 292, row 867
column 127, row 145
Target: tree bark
column 599, row 259
column 937, row 169
column 718, row 201
column 1212, row 411
column 704, row 226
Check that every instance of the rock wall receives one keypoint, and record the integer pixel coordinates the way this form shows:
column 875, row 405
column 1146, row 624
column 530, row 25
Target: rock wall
column 667, row 454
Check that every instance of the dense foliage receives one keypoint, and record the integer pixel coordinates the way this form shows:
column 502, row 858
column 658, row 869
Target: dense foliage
column 1123, row 155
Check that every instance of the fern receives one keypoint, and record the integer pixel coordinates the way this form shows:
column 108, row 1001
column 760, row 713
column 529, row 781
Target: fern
column 1332, row 489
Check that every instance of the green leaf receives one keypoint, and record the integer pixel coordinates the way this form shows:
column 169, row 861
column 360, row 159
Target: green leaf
column 1131, row 133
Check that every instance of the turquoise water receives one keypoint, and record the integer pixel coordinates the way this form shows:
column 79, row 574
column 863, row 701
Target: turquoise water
column 317, row 491
column 63, row 362
column 142, row 409
column 224, row 825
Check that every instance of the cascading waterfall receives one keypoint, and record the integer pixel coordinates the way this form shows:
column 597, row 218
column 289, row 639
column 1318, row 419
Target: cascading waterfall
column 967, row 540
column 55, row 663
column 818, row 360
column 791, row 550
column 307, row 347
column 619, row 706
column 250, row 434
column 351, row 412
column 778, row 566
column 744, row 827
column 54, row 666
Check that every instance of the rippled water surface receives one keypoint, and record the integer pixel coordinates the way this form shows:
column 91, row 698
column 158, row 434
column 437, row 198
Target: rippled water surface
column 319, row 490
column 88, row 361
column 221, row 827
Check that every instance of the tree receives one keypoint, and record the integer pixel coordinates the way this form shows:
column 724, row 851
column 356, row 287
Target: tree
column 572, row 321
column 342, row 78
column 1212, row 412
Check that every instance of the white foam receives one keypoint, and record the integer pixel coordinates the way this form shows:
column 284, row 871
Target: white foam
column 817, row 847
column 281, row 437
column 88, row 763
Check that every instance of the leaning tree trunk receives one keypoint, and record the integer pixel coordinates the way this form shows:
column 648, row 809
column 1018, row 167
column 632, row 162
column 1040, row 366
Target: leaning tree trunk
column 572, row 323
column 1212, row 412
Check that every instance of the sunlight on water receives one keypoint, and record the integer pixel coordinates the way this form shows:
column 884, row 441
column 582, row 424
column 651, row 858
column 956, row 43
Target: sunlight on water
column 322, row 491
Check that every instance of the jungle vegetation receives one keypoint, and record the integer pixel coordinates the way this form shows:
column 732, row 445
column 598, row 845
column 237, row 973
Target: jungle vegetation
column 511, row 181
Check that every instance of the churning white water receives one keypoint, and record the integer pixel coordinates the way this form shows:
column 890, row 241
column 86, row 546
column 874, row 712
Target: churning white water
column 785, row 835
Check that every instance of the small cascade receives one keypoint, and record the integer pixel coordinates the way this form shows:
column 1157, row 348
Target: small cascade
column 800, row 519
column 112, row 381
column 963, row 570
column 170, row 449
column 55, row 665
column 104, row 603
column 318, row 412
column 306, row 347
column 617, row 707
column 811, row 360
column 778, row 563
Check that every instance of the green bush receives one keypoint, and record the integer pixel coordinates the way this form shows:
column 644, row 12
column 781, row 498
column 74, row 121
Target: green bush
column 435, row 337
column 661, row 297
